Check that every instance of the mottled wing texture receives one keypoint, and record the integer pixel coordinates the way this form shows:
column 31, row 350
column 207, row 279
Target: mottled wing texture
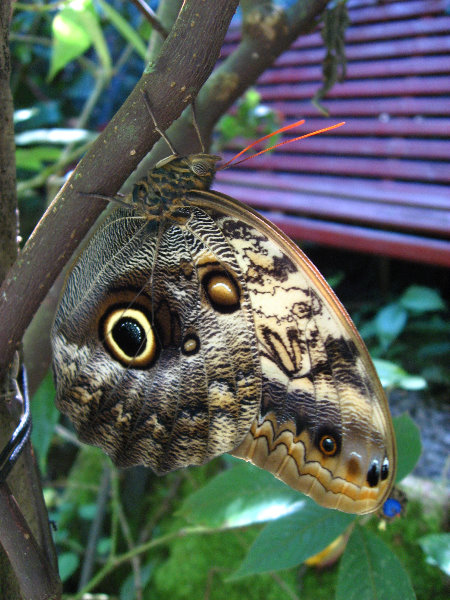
column 250, row 352
column 188, row 405
column 318, row 381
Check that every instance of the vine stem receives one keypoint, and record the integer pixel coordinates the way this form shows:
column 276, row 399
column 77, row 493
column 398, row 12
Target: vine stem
column 116, row 561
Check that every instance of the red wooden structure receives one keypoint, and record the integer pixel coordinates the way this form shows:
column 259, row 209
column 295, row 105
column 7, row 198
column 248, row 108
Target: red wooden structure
column 380, row 183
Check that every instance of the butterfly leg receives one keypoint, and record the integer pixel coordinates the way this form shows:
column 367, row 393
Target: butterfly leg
column 118, row 198
column 155, row 123
column 20, row 436
column 196, row 127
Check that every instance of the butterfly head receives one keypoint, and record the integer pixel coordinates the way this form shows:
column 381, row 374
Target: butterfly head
column 191, row 172
column 167, row 184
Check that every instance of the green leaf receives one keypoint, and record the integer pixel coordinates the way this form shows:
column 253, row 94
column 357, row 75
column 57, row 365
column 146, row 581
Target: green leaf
column 409, row 446
column 437, row 549
column 370, row 571
column 45, row 416
column 393, row 375
column 87, row 511
column 70, row 39
column 56, row 135
column 290, row 540
column 390, row 322
column 23, row 114
column 75, row 29
column 67, row 563
column 420, row 299
column 252, row 98
column 242, row 495
column 124, row 28
column 104, row 546
column 35, row 159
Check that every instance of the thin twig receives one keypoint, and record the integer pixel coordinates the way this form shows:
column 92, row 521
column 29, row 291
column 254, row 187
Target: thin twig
column 95, row 530
column 135, row 561
column 150, row 15
column 284, row 586
column 114, row 563
column 162, row 509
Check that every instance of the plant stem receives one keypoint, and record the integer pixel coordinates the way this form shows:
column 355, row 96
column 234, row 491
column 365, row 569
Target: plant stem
column 116, row 561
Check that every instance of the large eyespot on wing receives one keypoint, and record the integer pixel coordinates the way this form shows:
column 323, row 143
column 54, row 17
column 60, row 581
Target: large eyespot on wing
column 221, row 290
column 128, row 335
column 324, row 425
column 155, row 354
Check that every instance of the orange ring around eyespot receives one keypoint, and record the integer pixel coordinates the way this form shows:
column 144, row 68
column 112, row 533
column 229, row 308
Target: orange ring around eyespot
column 329, row 452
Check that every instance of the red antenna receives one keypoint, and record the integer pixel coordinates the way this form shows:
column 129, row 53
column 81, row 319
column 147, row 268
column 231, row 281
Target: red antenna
column 221, row 168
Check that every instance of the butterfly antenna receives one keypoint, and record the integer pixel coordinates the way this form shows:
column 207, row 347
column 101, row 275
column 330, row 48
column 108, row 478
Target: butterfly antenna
column 160, row 131
column 266, row 137
column 221, row 168
column 197, row 128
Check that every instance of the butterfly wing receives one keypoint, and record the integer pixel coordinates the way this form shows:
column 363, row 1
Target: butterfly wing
column 324, row 425
column 206, row 330
column 155, row 353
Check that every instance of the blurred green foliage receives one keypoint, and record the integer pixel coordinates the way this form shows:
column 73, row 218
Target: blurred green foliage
column 391, row 333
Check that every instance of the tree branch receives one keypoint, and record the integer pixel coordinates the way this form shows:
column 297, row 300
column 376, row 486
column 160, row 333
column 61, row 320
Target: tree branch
column 151, row 17
column 25, row 537
column 267, row 31
column 37, row 578
column 9, row 217
column 186, row 59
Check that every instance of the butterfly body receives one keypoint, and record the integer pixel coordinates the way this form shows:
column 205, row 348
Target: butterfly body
column 191, row 326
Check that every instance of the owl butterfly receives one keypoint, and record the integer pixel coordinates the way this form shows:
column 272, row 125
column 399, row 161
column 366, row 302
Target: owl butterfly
column 191, row 326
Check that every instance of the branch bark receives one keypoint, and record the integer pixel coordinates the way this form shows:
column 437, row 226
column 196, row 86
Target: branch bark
column 186, row 59
column 267, row 32
column 22, row 534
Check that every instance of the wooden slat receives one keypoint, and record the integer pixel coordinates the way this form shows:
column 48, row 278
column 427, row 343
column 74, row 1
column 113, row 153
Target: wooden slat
column 434, row 172
column 359, row 239
column 411, row 26
column 375, row 88
column 414, row 66
column 426, row 196
column 396, row 126
column 389, row 49
column 378, row 31
column 397, row 10
column 410, row 218
column 366, row 146
column 355, row 108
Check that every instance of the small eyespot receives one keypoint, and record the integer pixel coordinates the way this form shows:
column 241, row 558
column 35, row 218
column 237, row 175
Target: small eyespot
column 190, row 344
column 373, row 474
column 128, row 336
column 222, row 291
column 328, row 445
column 385, row 469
